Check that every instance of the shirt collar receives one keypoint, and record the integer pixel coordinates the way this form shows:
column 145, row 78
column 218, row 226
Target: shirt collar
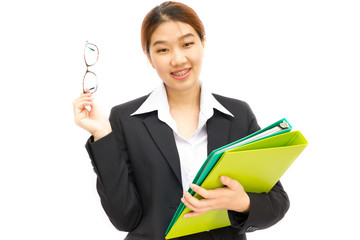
column 208, row 103
column 157, row 101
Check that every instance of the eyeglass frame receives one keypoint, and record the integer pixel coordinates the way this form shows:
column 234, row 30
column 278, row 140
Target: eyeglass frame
column 89, row 65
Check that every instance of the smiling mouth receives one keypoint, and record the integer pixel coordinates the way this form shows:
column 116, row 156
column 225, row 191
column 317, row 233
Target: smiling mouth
column 181, row 74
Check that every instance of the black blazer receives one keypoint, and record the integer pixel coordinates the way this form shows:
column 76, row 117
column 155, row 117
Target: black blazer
column 139, row 179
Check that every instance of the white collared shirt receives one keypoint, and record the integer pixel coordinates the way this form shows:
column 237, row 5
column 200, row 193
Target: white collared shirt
column 192, row 151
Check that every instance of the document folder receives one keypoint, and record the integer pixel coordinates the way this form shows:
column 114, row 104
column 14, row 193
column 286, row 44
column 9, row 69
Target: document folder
column 256, row 161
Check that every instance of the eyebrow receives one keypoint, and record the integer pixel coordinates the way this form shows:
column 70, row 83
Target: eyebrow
column 179, row 39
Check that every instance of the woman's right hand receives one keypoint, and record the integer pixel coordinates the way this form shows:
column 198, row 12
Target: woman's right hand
column 93, row 121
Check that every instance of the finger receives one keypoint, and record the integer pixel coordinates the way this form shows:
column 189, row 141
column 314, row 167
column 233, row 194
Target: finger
column 82, row 97
column 193, row 208
column 85, row 94
column 198, row 208
column 188, row 205
column 201, row 191
column 199, row 205
column 193, row 214
column 79, row 105
column 193, row 202
column 231, row 183
column 80, row 108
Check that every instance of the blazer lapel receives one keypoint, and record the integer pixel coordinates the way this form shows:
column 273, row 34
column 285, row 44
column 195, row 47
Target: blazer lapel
column 163, row 136
column 218, row 129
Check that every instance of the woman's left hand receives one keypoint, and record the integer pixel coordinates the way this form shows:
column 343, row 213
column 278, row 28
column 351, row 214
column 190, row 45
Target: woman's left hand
column 231, row 197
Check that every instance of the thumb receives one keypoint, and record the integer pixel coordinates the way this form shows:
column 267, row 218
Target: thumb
column 231, row 183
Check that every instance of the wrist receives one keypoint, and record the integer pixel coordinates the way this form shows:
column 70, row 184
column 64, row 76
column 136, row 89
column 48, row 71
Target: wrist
column 102, row 133
column 245, row 205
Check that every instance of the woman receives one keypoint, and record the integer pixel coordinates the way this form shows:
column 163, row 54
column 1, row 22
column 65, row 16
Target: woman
column 147, row 153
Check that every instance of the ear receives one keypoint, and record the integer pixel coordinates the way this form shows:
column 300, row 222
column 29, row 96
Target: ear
column 149, row 59
column 204, row 42
column 204, row 45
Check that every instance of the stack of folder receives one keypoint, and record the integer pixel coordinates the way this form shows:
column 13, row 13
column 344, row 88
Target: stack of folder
column 256, row 161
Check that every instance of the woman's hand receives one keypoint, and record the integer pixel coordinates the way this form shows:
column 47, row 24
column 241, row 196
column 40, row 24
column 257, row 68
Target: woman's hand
column 93, row 120
column 231, row 197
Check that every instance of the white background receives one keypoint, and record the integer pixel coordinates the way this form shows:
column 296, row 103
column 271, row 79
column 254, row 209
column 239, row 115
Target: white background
column 293, row 59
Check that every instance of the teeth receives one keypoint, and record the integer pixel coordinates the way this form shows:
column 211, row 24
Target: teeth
column 181, row 73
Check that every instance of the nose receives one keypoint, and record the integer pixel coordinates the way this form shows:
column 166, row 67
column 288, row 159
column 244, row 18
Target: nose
column 178, row 58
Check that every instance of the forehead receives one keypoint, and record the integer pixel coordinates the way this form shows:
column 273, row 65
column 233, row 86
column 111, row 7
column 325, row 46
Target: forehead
column 171, row 31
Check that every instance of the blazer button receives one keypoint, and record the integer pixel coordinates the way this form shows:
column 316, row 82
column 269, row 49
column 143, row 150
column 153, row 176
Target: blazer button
column 251, row 229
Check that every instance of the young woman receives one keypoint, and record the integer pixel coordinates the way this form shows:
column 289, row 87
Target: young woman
column 146, row 155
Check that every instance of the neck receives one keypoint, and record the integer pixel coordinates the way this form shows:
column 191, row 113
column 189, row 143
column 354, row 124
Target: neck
column 189, row 98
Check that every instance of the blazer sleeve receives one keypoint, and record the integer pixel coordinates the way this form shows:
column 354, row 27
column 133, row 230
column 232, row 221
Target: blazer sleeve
column 115, row 182
column 266, row 209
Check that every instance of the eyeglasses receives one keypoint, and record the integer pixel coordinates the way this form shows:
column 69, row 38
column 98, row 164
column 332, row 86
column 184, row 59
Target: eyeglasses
column 91, row 56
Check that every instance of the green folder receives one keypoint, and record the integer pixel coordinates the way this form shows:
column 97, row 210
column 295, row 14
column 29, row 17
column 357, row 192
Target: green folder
column 257, row 163
column 278, row 127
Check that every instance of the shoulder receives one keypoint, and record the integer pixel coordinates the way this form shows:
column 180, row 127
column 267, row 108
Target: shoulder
column 235, row 106
column 120, row 114
column 129, row 107
column 244, row 121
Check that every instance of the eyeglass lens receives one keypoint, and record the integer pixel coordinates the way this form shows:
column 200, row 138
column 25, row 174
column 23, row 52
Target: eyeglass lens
column 91, row 54
column 90, row 82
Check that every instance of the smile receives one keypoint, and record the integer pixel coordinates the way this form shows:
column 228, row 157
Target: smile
column 181, row 74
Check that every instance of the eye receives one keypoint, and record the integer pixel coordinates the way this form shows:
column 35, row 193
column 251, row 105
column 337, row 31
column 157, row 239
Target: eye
column 188, row 44
column 163, row 50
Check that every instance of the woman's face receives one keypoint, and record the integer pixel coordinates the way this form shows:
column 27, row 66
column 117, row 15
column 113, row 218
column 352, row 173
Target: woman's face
column 176, row 53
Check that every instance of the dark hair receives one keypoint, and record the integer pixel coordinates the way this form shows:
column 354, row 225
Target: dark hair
column 169, row 11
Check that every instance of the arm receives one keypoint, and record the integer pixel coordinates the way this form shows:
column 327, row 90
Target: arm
column 115, row 183
column 266, row 209
column 108, row 152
